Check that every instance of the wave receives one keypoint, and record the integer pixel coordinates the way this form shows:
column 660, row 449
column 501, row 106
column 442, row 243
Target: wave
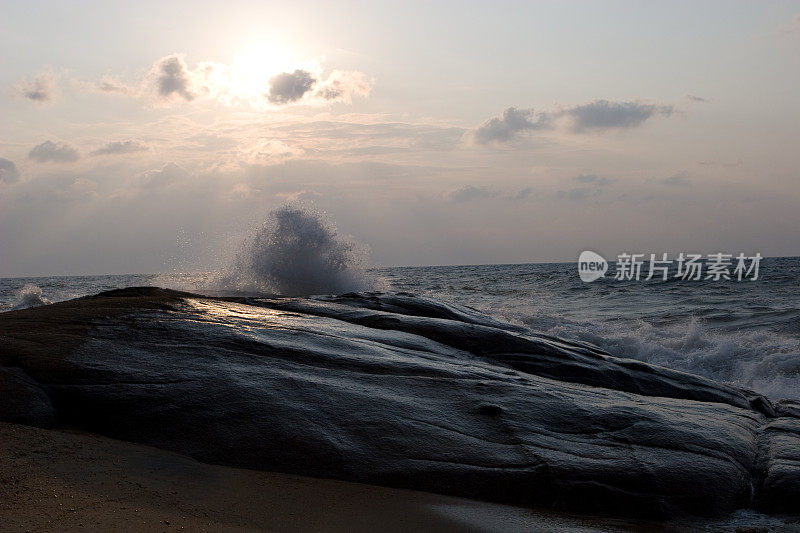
column 29, row 295
column 760, row 360
column 297, row 252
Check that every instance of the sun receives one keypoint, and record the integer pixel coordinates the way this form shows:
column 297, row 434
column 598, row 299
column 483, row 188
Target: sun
column 254, row 65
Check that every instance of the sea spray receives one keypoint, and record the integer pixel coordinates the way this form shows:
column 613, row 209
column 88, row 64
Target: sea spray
column 29, row 295
column 765, row 361
column 297, row 252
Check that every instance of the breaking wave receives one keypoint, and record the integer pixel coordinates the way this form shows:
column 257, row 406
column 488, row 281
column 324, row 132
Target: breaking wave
column 29, row 295
column 297, row 252
column 760, row 360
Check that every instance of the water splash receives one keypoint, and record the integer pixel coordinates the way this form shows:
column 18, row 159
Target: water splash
column 759, row 360
column 29, row 295
column 297, row 252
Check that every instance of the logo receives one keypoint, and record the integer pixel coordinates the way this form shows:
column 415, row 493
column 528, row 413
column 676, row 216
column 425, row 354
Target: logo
column 591, row 266
column 692, row 267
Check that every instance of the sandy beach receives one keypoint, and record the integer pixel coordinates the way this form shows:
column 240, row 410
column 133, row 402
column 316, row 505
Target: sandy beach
column 69, row 481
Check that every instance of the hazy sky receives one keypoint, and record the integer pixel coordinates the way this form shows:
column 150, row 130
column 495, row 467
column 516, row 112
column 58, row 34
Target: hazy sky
column 140, row 137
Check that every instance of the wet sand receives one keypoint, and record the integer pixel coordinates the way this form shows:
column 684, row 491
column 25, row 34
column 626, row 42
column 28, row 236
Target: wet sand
column 69, row 481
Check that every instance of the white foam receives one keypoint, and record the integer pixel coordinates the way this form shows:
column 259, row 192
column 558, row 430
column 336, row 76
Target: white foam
column 29, row 295
column 762, row 361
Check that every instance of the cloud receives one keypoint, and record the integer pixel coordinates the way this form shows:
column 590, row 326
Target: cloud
column 167, row 175
column 290, row 86
column 211, row 142
column 354, row 135
column 469, row 193
column 120, row 147
column 302, row 196
column 271, row 150
column 593, row 116
column 49, row 151
column 109, row 84
column 8, row 171
column 681, row 179
column 524, row 193
column 41, row 89
column 578, row 193
column 697, row 99
column 342, row 85
column 593, row 178
column 603, row 114
column 171, row 80
column 77, row 189
column 339, row 86
column 589, row 186
column 505, row 127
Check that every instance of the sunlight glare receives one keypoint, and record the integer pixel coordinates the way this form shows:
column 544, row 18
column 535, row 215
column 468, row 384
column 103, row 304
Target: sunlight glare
column 254, row 65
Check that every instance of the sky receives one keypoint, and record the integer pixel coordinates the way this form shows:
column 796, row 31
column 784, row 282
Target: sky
column 154, row 136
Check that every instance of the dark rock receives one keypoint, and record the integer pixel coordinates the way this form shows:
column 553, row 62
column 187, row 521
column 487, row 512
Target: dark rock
column 23, row 400
column 407, row 392
column 779, row 488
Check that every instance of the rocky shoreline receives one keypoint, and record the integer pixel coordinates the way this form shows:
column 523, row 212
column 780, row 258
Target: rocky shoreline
column 400, row 391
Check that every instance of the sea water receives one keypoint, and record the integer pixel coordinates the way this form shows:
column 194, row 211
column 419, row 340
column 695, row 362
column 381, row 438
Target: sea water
column 745, row 333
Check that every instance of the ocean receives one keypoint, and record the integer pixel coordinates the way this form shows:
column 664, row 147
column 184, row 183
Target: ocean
column 745, row 333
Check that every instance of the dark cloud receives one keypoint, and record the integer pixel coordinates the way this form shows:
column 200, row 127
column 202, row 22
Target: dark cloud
column 168, row 80
column 290, row 86
column 505, row 127
column 41, row 89
column 603, row 114
column 55, row 152
column 171, row 78
column 593, row 116
column 120, row 147
column 469, row 193
column 8, row 171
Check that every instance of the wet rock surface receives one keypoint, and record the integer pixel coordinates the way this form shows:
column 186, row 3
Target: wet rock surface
column 401, row 391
